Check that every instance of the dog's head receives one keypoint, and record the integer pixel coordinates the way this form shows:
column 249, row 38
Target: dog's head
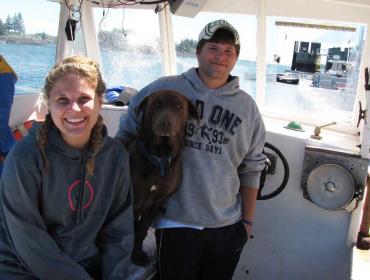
column 165, row 113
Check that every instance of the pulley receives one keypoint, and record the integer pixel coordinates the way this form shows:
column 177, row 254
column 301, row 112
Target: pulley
column 330, row 186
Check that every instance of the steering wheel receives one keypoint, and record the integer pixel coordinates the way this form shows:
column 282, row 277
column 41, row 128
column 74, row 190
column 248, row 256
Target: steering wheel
column 265, row 172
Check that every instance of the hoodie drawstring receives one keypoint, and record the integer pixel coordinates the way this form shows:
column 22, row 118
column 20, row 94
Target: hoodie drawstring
column 80, row 199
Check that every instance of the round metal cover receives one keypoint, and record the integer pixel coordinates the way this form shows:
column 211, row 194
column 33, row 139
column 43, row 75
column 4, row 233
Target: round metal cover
column 330, row 186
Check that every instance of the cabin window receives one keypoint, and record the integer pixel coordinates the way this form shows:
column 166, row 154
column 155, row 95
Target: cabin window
column 312, row 69
column 186, row 31
column 28, row 40
column 130, row 46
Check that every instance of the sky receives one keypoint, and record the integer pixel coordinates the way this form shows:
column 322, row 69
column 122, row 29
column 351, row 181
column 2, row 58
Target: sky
column 42, row 16
column 38, row 15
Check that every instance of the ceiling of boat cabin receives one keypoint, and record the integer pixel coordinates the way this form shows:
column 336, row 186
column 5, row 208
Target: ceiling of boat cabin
column 357, row 11
column 336, row 10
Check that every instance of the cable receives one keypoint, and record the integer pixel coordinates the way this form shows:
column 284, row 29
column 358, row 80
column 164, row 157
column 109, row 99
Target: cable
column 75, row 12
column 158, row 9
column 127, row 3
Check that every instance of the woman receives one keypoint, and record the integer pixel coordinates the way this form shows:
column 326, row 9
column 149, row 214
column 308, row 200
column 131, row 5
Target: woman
column 65, row 193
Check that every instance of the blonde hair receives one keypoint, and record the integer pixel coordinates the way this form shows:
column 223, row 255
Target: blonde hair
column 89, row 70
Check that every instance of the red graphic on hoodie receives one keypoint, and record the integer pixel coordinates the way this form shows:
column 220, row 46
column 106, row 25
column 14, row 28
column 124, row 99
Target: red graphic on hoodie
column 91, row 194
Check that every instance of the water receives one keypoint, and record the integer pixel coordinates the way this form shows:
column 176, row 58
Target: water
column 246, row 70
column 130, row 69
column 32, row 63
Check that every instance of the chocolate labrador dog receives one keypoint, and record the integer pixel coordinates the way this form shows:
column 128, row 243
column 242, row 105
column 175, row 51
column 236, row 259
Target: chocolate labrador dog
column 155, row 158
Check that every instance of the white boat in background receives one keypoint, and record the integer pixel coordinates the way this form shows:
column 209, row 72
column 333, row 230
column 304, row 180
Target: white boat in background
column 287, row 78
column 309, row 230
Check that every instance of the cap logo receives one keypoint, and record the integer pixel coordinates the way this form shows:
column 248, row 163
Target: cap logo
column 210, row 29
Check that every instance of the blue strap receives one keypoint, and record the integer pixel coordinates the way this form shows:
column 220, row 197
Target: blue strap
column 162, row 162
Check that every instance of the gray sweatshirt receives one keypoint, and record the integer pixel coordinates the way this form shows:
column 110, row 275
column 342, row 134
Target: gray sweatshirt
column 52, row 225
column 223, row 151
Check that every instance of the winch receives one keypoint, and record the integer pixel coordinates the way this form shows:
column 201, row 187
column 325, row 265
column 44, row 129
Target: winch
column 332, row 179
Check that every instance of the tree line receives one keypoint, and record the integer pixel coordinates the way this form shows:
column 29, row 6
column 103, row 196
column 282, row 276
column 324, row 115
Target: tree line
column 116, row 39
column 13, row 24
column 111, row 39
column 186, row 47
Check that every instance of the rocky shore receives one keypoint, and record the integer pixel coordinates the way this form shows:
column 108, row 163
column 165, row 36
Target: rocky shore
column 28, row 39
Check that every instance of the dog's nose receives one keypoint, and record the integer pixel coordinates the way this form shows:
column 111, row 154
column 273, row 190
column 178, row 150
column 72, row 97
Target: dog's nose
column 165, row 123
column 164, row 127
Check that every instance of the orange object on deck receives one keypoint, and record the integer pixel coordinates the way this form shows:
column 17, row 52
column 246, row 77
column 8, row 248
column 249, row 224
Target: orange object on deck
column 20, row 131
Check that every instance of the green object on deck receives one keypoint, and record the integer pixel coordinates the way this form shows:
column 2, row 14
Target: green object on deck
column 293, row 125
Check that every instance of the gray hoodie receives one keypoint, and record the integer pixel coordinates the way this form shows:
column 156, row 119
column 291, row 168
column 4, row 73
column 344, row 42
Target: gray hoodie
column 222, row 152
column 52, row 225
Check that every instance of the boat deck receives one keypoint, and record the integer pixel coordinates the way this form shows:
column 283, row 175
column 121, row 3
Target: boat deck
column 148, row 272
column 360, row 264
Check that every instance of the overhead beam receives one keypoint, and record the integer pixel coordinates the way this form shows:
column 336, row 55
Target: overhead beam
column 315, row 26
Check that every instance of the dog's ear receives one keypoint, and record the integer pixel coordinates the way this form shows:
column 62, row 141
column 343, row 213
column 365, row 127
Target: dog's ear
column 141, row 107
column 193, row 111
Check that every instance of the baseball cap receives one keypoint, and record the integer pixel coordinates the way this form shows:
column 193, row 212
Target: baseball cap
column 209, row 30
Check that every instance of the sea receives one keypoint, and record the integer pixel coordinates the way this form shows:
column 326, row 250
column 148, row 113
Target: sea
column 31, row 64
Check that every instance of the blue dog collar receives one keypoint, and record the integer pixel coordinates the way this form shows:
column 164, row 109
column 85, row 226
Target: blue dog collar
column 162, row 162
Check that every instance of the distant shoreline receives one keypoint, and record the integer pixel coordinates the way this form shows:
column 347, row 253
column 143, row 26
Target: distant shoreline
column 28, row 39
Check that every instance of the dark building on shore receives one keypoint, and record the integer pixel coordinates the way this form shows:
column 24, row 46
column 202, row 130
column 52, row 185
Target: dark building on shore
column 336, row 54
column 306, row 57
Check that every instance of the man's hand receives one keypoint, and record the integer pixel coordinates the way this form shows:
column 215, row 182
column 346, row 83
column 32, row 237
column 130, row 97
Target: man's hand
column 248, row 228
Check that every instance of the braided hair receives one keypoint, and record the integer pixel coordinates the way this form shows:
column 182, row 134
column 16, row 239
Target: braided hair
column 95, row 144
column 89, row 70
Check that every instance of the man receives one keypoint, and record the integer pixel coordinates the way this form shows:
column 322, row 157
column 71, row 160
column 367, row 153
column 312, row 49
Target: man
column 205, row 224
